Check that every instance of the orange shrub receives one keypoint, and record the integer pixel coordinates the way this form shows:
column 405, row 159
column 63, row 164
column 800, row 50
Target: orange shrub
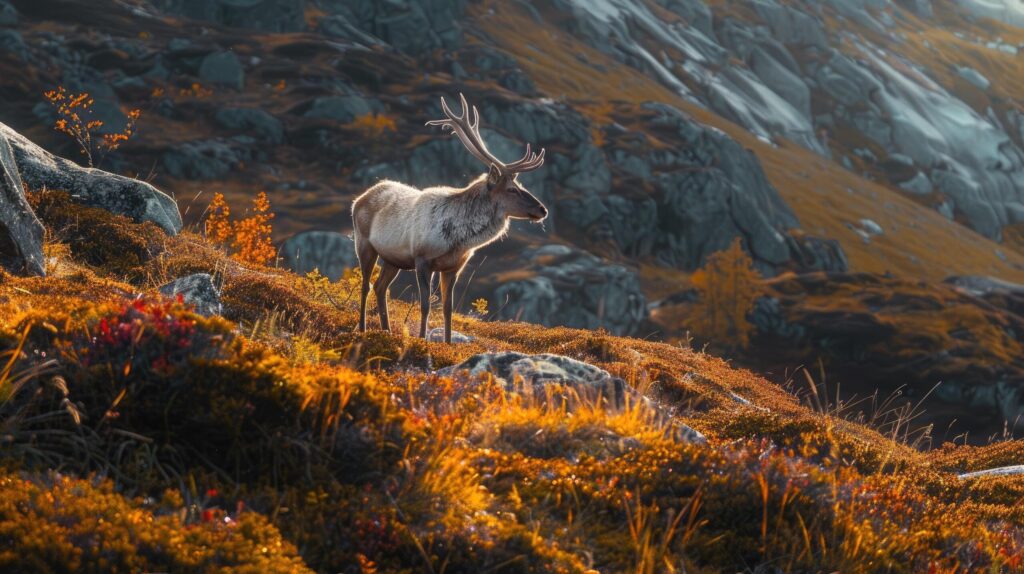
column 249, row 238
column 374, row 125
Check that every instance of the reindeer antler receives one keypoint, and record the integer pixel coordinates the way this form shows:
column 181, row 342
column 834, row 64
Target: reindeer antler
column 467, row 128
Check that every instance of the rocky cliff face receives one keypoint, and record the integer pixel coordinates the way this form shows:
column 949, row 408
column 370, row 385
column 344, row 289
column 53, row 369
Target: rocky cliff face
column 832, row 77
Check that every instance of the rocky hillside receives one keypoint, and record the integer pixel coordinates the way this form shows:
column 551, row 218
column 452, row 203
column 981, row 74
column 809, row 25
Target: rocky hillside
column 165, row 407
column 876, row 139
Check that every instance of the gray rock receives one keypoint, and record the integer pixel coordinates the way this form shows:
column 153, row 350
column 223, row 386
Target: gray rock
column 196, row 290
column 922, row 8
column 532, row 373
column 134, row 199
column 695, row 12
column 210, row 159
column 918, row 185
column 222, row 69
column 790, row 25
column 414, row 27
column 21, row 234
column 338, row 26
column 254, row 120
column 871, row 227
column 715, row 194
column 329, row 251
column 974, row 77
column 12, row 42
column 343, row 109
column 436, row 335
column 811, row 253
column 981, row 285
column 263, row 15
column 8, row 15
column 999, row 471
column 782, row 80
column 573, row 288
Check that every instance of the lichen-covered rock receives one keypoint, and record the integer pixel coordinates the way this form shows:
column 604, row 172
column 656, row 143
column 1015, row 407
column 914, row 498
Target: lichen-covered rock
column 530, row 374
column 132, row 198
column 21, row 234
column 330, row 252
column 197, row 290
column 436, row 335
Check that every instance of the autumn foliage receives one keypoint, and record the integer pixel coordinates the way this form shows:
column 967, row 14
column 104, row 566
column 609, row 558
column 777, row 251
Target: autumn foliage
column 728, row 286
column 75, row 119
column 374, row 125
column 249, row 239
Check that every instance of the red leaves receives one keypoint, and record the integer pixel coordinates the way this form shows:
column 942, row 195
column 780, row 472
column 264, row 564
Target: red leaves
column 144, row 336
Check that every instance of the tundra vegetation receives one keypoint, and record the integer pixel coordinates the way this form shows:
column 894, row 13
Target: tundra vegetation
column 137, row 435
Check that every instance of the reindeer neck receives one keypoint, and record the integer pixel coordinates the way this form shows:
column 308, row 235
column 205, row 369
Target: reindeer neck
column 470, row 217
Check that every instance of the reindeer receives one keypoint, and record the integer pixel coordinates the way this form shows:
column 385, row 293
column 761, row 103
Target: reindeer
column 437, row 229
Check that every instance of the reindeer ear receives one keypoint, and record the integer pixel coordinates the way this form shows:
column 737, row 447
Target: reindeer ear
column 493, row 175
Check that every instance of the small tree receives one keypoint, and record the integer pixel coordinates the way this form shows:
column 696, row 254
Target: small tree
column 249, row 239
column 75, row 120
column 729, row 286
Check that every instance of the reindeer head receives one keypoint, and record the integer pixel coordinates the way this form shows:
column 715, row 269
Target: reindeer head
column 502, row 178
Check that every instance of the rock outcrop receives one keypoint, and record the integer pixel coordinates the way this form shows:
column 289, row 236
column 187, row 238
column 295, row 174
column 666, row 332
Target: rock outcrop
column 132, row 198
column 562, row 286
column 330, row 252
column 768, row 67
column 21, row 233
column 263, row 15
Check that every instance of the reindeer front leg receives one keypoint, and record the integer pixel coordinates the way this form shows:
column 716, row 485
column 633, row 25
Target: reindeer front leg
column 423, row 275
column 448, row 279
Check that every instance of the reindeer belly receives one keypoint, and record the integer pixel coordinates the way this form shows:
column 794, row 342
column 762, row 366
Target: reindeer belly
column 394, row 245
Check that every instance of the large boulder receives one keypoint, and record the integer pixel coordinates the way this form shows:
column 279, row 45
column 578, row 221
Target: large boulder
column 121, row 195
column 563, row 286
column 222, row 69
column 21, row 234
column 328, row 251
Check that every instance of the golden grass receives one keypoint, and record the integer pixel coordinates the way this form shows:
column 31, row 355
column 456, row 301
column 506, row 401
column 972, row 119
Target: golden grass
column 359, row 456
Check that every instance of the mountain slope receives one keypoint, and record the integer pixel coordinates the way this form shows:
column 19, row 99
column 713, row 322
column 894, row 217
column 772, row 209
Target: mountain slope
column 279, row 432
